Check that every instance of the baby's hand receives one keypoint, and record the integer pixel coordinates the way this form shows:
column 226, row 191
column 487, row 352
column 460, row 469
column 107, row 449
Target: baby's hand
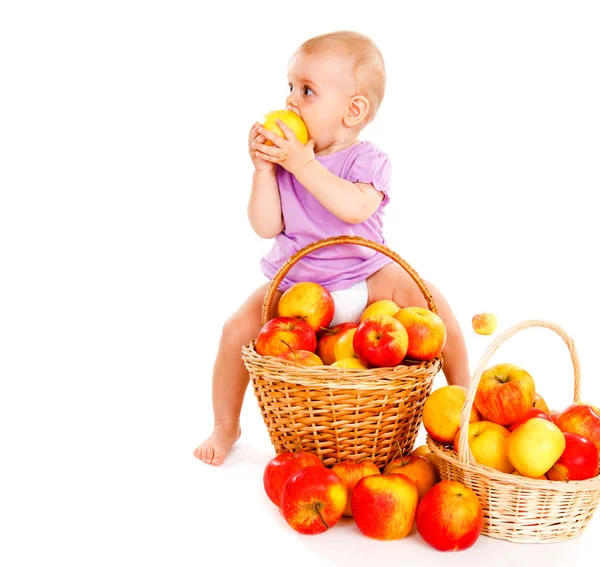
column 260, row 164
column 289, row 152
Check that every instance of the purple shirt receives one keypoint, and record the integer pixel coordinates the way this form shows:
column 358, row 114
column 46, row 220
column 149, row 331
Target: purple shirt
column 305, row 220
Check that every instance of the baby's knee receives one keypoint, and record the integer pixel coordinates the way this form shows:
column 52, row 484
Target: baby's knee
column 239, row 328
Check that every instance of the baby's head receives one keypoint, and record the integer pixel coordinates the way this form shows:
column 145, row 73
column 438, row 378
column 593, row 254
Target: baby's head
column 337, row 83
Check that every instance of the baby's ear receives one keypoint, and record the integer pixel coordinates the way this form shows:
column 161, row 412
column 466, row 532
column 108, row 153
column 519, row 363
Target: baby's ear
column 357, row 111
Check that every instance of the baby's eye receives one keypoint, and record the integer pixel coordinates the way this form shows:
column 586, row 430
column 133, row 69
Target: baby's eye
column 307, row 91
column 291, row 87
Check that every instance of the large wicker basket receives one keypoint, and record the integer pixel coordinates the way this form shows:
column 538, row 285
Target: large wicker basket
column 516, row 508
column 340, row 413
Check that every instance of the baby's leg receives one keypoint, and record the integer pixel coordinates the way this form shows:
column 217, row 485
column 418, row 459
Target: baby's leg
column 230, row 378
column 392, row 282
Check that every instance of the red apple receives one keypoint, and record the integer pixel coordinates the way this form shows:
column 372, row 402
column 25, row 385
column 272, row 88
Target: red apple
column 449, row 516
column 505, row 393
column 351, row 472
column 426, row 332
column 301, row 357
column 275, row 336
column 308, row 301
column 384, row 506
column 532, row 412
column 313, row 500
column 328, row 339
column 579, row 460
column 554, row 415
column 583, row 419
column 417, row 468
column 380, row 340
column 282, row 467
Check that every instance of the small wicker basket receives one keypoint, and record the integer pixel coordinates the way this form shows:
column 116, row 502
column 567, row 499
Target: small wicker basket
column 517, row 508
column 340, row 413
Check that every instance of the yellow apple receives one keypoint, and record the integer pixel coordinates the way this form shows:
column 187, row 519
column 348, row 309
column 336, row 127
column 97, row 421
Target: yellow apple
column 535, row 446
column 540, row 403
column 417, row 468
column 348, row 363
column 441, row 413
column 381, row 307
column 541, row 477
column 290, row 119
column 425, row 451
column 487, row 441
column 484, row 323
column 343, row 347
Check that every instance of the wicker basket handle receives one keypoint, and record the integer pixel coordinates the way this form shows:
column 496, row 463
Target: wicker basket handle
column 281, row 273
column 464, row 454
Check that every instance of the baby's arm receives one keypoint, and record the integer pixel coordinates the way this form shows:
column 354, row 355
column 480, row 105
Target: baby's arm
column 264, row 206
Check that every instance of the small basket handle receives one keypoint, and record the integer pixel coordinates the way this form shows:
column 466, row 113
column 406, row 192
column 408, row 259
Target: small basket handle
column 281, row 273
column 464, row 451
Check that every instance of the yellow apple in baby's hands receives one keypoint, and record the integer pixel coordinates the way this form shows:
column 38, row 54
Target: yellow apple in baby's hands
column 484, row 323
column 290, row 119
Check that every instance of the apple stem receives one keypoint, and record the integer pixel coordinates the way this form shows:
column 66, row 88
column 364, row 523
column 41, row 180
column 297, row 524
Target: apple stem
column 561, row 473
column 327, row 330
column 318, row 509
column 297, row 447
column 293, row 352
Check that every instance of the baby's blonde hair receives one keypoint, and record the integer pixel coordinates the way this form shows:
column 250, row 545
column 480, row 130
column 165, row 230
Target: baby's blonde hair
column 365, row 58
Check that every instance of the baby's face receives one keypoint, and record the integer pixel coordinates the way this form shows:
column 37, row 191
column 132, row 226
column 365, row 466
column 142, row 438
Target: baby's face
column 321, row 87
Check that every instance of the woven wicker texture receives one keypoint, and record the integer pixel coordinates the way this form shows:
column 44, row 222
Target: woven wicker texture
column 516, row 508
column 341, row 413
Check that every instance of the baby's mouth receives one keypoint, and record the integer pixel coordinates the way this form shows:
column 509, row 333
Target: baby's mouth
column 294, row 110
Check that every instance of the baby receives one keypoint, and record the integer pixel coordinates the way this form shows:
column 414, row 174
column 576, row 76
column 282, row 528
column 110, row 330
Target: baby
column 333, row 185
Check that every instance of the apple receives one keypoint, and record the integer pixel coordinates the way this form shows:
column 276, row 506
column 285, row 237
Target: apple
column 531, row 412
column 554, row 415
column 308, row 301
column 583, row 419
column 541, row 477
column 442, row 410
column 450, row 516
column 290, row 119
column 282, row 467
column 313, row 500
column 380, row 340
column 505, row 393
column 488, row 443
column 540, row 403
column 535, row 446
column 425, row 451
column 426, row 332
column 384, row 506
column 415, row 467
column 348, row 363
column 484, row 323
column 344, row 346
column 279, row 334
column 579, row 460
column 302, row 357
column 327, row 340
column 351, row 472
column 381, row 307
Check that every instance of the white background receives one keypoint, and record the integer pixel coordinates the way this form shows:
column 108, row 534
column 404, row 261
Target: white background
column 124, row 245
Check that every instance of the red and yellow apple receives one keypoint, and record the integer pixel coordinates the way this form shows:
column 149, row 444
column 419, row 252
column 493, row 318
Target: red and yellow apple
column 484, row 323
column 554, row 415
column 381, row 307
column 540, row 403
column 425, row 451
column 531, row 412
column 313, row 500
column 279, row 334
column 426, row 332
column 505, row 393
column 380, row 340
column 583, row 419
column 450, row 516
column 535, row 446
column 384, row 506
column 301, row 357
column 579, row 460
column 351, row 472
column 308, row 301
column 415, row 467
column 442, row 410
column 344, row 346
column 327, row 340
column 282, row 467
column 488, row 443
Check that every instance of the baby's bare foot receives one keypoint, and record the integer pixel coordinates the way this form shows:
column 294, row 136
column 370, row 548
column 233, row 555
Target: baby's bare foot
column 214, row 450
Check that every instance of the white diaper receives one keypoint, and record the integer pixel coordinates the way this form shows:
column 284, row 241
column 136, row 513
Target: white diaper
column 350, row 303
